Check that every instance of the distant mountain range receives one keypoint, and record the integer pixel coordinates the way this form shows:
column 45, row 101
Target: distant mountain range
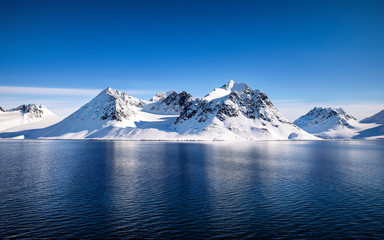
column 231, row 112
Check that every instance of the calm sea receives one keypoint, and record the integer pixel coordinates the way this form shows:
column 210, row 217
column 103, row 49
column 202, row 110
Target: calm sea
column 162, row 190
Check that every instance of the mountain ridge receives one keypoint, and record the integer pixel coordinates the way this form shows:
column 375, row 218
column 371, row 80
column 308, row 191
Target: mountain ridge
column 233, row 111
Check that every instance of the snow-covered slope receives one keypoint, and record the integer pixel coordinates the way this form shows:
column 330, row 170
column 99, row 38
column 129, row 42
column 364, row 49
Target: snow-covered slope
column 232, row 112
column 235, row 111
column 375, row 132
column 27, row 116
column 377, row 118
column 331, row 123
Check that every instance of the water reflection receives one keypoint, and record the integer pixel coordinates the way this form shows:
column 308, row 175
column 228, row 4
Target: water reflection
column 120, row 189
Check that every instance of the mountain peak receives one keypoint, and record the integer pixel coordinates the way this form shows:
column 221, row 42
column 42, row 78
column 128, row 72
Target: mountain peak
column 234, row 86
column 112, row 92
column 109, row 104
column 25, row 108
column 109, row 89
column 225, row 90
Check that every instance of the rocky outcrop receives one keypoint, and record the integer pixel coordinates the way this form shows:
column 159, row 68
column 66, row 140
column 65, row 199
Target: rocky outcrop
column 173, row 104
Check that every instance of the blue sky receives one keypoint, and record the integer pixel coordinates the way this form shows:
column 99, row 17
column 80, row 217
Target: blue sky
column 301, row 53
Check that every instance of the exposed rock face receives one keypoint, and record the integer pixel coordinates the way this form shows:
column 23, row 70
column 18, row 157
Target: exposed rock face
column 1, row 109
column 253, row 104
column 30, row 109
column 173, row 104
column 322, row 119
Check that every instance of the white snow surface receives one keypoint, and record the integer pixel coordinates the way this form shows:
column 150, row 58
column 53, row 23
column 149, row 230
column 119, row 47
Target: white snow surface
column 27, row 116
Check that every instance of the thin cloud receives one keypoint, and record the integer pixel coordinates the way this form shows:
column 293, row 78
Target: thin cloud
column 63, row 91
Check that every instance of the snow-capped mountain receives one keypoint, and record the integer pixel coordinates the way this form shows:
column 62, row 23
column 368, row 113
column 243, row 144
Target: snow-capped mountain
column 109, row 105
column 110, row 108
column 377, row 118
column 174, row 103
column 1, row 109
column 332, row 123
column 322, row 119
column 235, row 111
column 24, row 115
column 231, row 112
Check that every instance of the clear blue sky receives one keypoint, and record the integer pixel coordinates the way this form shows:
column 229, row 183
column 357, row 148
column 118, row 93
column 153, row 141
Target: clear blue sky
column 310, row 52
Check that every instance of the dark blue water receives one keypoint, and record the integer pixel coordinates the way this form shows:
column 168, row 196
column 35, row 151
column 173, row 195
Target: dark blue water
column 101, row 189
